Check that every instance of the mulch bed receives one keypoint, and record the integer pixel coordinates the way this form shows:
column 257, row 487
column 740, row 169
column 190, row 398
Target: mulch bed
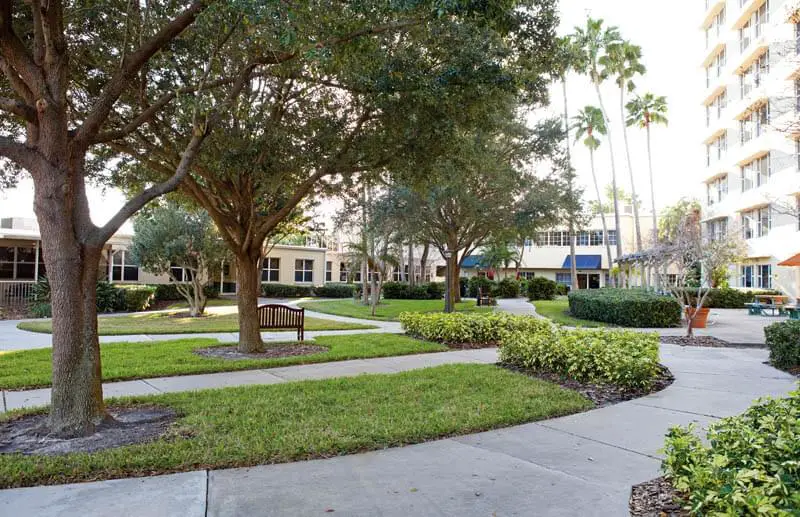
column 271, row 352
column 128, row 426
column 600, row 394
column 707, row 341
column 655, row 498
column 14, row 313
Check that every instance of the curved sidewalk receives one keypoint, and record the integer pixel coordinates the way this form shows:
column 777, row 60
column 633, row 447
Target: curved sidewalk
column 582, row 464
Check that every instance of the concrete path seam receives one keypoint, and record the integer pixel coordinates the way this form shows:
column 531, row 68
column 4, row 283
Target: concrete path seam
column 208, row 492
column 595, row 440
column 635, row 403
column 145, row 382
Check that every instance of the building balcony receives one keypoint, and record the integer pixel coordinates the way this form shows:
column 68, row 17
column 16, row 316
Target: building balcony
column 745, row 10
column 754, row 49
column 712, row 50
column 713, row 7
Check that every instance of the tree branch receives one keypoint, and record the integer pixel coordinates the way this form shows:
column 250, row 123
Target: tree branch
column 19, row 108
column 26, row 157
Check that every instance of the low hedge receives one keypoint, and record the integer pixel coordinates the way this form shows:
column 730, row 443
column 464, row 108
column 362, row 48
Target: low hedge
column 727, row 298
column 540, row 288
column 624, row 358
column 750, row 467
column 508, row 288
column 404, row 291
column 285, row 290
column 483, row 283
column 137, row 298
column 783, row 341
column 168, row 292
column 335, row 290
column 463, row 328
column 626, row 307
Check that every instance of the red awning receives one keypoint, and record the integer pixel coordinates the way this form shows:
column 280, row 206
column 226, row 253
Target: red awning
column 791, row 261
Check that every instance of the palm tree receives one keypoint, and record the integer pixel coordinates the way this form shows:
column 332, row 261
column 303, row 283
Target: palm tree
column 622, row 62
column 594, row 41
column 589, row 121
column 643, row 111
column 569, row 59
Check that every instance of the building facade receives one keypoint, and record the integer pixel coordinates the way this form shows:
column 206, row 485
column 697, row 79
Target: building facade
column 751, row 100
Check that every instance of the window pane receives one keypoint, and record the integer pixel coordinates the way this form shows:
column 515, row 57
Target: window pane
column 116, row 273
column 26, row 271
column 26, row 255
column 298, row 276
column 6, row 270
column 6, row 254
column 132, row 273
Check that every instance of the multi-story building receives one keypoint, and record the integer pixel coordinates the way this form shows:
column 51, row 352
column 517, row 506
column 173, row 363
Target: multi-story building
column 751, row 99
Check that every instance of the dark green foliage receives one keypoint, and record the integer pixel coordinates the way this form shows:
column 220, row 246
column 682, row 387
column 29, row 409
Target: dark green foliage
column 41, row 310
column 561, row 289
column 484, row 283
column 508, row 288
column 783, row 340
column 110, row 298
column 285, row 290
column 463, row 286
column 726, row 298
column 540, row 288
column 403, row 291
column 137, row 297
column 335, row 290
column 168, row 292
column 750, row 466
column 625, row 307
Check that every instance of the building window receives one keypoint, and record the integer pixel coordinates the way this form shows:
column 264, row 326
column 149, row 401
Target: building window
column 756, row 173
column 564, row 278
column 754, row 124
column 756, row 223
column 328, row 271
column 717, row 190
column 303, row 270
column 716, row 149
column 596, row 238
column 717, row 229
column 612, row 237
column 764, row 276
column 527, row 275
column 18, row 263
column 583, row 238
column 747, row 277
column 797, row 38
column 179, row 274
column 123, row 267
column 270, row 270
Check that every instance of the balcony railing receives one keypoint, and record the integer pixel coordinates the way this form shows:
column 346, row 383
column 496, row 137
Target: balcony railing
column 15, row 293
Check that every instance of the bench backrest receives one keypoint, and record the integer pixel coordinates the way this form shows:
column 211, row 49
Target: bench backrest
column 276, row 316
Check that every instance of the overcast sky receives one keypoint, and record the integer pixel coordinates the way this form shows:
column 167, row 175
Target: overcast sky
column 671, row 44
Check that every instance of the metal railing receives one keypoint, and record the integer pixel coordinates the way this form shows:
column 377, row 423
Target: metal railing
column 15, row 293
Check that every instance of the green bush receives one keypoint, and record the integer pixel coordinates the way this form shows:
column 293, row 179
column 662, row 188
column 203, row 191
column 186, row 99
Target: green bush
column 626, row 307
column 624, row 358
column 486, row 286
column 335, row 291
column 285, row 290
column 561, row 289
column 472, row 328
column 751, row 467
column 110, row 298
column 41, row 310
column 508, row 288
column 137, row 297
column 726, row 298
column 168, row 292
column 783, row 340
column 403, row 291
column 540, row 288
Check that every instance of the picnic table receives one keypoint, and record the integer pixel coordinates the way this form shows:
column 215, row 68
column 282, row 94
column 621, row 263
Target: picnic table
column 769, row 302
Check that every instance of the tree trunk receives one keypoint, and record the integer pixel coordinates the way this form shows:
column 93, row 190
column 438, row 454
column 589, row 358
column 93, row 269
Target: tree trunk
column 423, row 262
column 613, row 173
column 412, row 273
column 573, row 270
column 653, row 202
column 452, row 282
column 637, row 228
column 248, row 267
column 602, row 215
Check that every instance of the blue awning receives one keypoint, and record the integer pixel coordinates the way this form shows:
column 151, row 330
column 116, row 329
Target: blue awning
column 472, row 261
column 583, row 262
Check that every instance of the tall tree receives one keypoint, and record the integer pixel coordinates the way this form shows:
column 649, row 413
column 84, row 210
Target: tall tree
column 622, row 62
column 594, row 40
column 643, row 111
column 78, row 77
column 590, row 121
column 183, row 244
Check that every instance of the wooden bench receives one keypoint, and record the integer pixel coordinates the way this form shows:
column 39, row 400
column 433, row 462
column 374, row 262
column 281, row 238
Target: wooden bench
column 280, row 317
column 484, row 299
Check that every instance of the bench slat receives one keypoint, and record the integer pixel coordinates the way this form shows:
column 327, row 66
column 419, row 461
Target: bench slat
column 275, row 316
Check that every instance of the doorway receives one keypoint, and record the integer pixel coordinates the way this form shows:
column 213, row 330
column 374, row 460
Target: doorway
column 588, row 280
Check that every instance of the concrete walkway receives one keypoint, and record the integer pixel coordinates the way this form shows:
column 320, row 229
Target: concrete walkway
column 582, row 464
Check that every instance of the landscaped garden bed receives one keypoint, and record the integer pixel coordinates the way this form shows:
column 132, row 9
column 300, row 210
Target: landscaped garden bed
column 123, row 361
column 254, row 425
column 749, row 467
column 387, row 310
column 468, row 330
column 179, row 323
column 625, row 307
column 704, row 341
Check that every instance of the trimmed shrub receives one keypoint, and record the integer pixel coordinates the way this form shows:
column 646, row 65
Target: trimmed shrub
column 783, row 340
column 137, row 297
column 285, row 290
column 41, row 310
column 435, row 290
column 540, row 288
column 626, row 307
column 473, row 328
column 335, row 291
column 403, row 291
column 625, row 358
column 168, row 292
column 110, row 298
column 485, row 285
column 561, row 289
column 750, row 467
column 508, row 288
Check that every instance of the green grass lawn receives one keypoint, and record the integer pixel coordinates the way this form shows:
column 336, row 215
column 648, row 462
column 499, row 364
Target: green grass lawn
column 388, row 310
column 255, row 425
column 168, row 323
column 558, row 311
column 120, row 361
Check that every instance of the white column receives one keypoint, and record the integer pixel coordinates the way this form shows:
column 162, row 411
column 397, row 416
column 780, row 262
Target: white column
column 36, row 266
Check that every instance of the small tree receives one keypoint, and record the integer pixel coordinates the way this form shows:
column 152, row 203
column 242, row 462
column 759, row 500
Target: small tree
column 171, row 239
column 687, row 251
